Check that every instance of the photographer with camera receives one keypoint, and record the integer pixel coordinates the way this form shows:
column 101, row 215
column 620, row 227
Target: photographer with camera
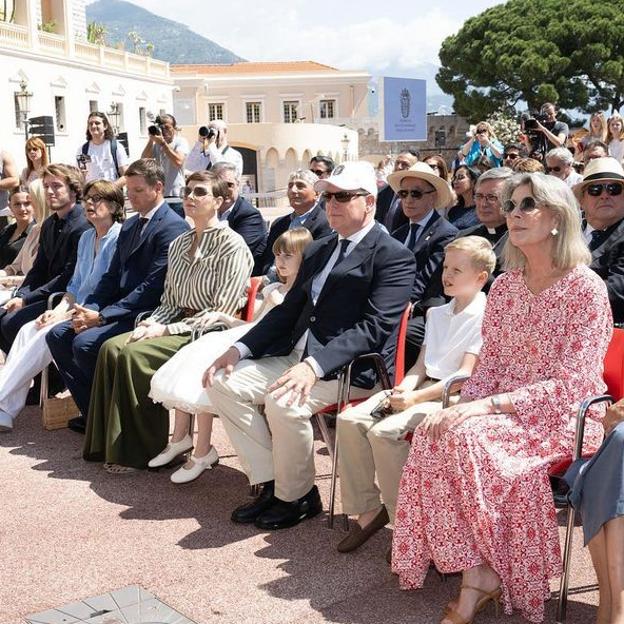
column 483, row 150
column 169, row 150
column 212, row 147
column 542, row 132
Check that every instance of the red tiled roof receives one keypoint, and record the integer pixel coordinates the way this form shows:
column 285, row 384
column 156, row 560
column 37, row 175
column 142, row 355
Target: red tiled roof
column 276, row 67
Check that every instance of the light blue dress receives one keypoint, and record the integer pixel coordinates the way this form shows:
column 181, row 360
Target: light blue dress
column 90, row 267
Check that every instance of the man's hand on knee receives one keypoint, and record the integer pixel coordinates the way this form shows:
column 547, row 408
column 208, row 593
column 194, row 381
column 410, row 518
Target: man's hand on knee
column 227, row 362
column 298, row 381
column 15, row 304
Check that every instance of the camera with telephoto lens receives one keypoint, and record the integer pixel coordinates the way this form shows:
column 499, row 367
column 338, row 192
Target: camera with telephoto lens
column 207, row 133
column 156, row 129
column 530, row 122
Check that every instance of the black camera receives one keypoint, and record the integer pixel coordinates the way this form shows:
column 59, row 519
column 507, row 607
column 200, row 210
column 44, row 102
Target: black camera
column 156, row 129
column 530, row 122
column 207, row 133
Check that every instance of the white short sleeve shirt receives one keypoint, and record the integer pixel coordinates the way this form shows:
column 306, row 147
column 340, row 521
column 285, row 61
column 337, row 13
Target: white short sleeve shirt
column 448, row 336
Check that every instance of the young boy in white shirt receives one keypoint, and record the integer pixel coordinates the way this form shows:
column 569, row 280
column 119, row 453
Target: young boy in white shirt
column 371, row 435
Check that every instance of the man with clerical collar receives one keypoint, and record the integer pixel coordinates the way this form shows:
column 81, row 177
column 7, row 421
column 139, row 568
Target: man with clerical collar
column 493, row 224
column 602, row 200
column 350, row 293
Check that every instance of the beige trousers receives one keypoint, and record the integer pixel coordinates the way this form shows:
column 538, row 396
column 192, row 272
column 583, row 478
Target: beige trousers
column 279, row 444
column 368, row 446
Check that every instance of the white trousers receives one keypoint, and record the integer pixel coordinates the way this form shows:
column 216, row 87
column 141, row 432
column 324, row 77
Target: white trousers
column 279, row 444
column 28, row 356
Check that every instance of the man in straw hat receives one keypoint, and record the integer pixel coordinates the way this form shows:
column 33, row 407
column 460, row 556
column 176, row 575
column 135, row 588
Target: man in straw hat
column 422, row 194
column 348, row 299
column 602, row 199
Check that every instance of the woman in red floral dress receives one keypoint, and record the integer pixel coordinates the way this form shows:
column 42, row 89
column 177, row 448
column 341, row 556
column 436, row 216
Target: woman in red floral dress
column 474, row 495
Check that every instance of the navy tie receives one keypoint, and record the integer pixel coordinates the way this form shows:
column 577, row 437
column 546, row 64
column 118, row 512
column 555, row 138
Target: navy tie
column 344, row 243
column 596, row 239
column 413, row 236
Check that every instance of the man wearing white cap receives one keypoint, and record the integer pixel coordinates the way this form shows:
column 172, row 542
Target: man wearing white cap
column 602, row 199
column 422, row 194
column 347, row 300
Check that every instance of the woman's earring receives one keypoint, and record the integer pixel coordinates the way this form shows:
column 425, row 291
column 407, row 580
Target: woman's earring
column 554, row 231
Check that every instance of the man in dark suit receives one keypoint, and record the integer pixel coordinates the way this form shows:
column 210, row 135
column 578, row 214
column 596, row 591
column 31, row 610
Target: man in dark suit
column 493, row 224
column 241, row 216
column 601, row 194
column 56, row 257
column 422, row 193
column 133, row 284
column 307, row 213
column 348, row 298
column 388, row 211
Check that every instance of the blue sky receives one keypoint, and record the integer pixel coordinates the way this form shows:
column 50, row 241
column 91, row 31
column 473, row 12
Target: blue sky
column 385, row 38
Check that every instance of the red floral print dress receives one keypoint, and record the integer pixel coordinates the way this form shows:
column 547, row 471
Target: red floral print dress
column 481, row 493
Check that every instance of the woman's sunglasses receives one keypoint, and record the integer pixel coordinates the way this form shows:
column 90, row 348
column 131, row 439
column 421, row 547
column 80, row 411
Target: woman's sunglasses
column 198, row 191
column 613, row 188
column 527, row 204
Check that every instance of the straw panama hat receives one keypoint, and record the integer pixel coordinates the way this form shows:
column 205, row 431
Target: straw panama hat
column 599, row 170
column 422, row 171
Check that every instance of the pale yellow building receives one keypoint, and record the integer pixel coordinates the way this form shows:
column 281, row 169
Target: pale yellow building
column 279, row 114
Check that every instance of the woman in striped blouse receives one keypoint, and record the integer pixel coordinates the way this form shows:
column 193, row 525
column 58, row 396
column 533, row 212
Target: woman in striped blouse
column 209, row 268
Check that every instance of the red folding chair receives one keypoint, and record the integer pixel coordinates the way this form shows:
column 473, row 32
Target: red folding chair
column 343, row 402
column 614, row 378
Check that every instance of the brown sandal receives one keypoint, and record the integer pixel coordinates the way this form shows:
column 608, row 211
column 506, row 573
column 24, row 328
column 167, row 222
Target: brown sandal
column 494, row 596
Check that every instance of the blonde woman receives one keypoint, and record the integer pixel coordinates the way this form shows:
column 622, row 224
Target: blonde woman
column 36, row 159
column 475, row 488
column 178, row 384
column 597, row 131
column 13, row 274
column 615, row 136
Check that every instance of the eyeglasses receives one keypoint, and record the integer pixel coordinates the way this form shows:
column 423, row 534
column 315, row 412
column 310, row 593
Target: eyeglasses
column 613, row 188
column 343, row 197
column 528, row 204
column 414, row 193
column 555, row 169
column 490, row 197
column 198, row 191
column 318, row 172
column 92, row 199
column 511, row 156
column 482, row 131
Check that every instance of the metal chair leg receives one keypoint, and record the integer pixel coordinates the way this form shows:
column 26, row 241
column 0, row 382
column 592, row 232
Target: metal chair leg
column 192, row 425
column 43, row 391
column 565, row 577
column 254, row 490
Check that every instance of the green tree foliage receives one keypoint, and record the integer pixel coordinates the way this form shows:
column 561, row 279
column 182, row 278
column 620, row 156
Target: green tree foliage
column 566, row 51
column 96, row 33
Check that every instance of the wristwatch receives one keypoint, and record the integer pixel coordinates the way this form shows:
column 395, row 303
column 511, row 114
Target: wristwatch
column 496, row 404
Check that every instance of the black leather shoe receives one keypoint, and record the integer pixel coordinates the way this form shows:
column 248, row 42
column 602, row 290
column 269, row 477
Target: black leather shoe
column 246, row 514
column 78, row 424
column 283, row 515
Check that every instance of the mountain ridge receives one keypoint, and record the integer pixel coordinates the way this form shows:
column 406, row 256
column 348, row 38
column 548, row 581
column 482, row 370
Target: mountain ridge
column 121, row 17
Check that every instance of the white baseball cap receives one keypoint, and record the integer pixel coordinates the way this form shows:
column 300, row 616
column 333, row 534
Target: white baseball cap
column 351, row 176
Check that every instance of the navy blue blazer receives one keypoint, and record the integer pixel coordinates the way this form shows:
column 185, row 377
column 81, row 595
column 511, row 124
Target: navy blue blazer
column 429, row 252
column 316, row 223
column 247, row 221
column 358, row 310
column 135, row 279
column 56, row 256
column 608, row 262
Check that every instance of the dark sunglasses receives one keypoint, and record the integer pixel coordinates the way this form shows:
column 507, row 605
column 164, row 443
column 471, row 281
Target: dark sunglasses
column 481, row 131
column 414, row 193
column 343, row 197
column 613, row 188
column 318, row 172
column 511, row 156
column 198, row 191
column 528, row 204
column 555, row 169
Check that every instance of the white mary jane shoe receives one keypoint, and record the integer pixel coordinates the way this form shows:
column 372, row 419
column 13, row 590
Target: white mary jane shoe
column 172, row 450
column 185, row 475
